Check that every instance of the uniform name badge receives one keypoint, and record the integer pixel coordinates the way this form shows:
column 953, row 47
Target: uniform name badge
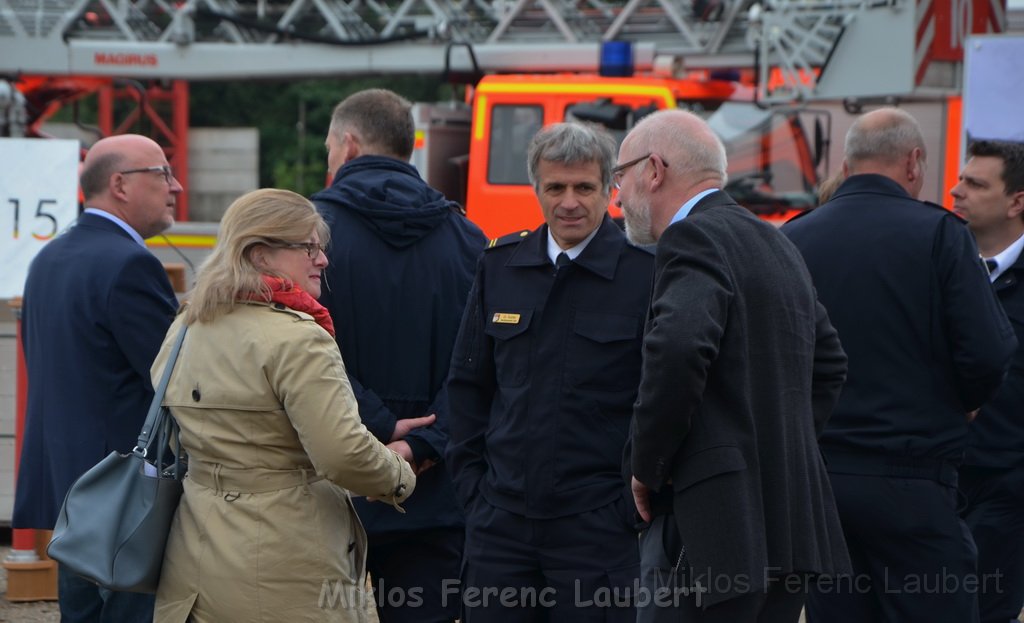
column 505, row 318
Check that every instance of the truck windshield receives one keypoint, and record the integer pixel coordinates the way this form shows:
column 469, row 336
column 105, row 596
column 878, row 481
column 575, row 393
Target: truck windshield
column 771, row 168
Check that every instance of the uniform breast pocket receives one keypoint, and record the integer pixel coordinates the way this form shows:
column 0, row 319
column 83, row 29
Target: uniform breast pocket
column 604, row 351
column 509, row 330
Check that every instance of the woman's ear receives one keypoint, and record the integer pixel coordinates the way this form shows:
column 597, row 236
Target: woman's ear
column 258, row 257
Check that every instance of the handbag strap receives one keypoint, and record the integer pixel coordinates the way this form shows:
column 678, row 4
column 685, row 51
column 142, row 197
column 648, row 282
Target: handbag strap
column 142, row 446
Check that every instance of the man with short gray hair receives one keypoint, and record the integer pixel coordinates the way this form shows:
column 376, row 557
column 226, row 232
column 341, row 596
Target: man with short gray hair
column 928, row 344
column 544, row 375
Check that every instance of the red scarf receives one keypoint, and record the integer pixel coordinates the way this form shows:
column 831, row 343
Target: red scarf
column 294, row 297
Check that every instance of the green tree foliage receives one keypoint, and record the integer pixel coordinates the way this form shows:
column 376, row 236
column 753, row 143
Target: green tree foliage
column 293, row 117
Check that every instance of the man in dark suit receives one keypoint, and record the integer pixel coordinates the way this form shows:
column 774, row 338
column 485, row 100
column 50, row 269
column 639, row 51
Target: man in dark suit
column 741, row 368
column 543, row 379
column 990, row 196
column 928, row 343
column 401, row 264
column 96, row 307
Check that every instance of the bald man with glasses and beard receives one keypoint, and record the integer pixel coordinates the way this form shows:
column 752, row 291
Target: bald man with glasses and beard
column 741, row 368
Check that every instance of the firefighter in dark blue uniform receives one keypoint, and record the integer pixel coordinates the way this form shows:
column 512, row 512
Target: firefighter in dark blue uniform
column 543, row 378
column 990, row 196
column 927, row 343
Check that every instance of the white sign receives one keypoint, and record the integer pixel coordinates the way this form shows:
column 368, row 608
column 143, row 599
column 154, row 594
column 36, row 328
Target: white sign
column 993, row 85
column 38, row 200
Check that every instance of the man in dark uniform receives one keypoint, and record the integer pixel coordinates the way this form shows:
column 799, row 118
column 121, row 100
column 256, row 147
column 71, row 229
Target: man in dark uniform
column 401, row 264
column 990, row 196
column 928, row 343
column 543, row 378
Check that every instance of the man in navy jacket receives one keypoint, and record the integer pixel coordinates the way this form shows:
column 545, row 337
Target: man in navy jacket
column 928, row 344
column 96, row 307
column 401, row 265
column 990, row 196
column 543, row 378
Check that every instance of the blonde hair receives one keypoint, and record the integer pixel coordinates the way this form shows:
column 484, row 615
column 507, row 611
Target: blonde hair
column 260, row 217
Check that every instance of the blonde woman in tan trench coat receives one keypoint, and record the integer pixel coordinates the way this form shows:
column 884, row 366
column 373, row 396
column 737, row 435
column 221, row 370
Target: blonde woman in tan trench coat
column 265, row 530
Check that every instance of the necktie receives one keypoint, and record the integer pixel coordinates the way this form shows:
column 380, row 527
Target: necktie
column 562, row 261
column 992, row 265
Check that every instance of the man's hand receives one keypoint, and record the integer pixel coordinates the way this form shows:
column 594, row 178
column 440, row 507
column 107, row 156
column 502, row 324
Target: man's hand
column 404, row 451
column 642, row 499
column 424, row 466
column 972, row 414
column 403, row 427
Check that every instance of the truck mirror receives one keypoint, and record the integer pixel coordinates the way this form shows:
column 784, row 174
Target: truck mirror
column 819, row 142
column 642, row 111
column 471, row 76
column 611, row 116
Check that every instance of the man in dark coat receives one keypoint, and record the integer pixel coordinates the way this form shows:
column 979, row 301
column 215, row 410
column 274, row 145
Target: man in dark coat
column 543, row 378
column 928, row 343
column 741, row 368
column 96, row 307
column 401, row 264
column 990, row 196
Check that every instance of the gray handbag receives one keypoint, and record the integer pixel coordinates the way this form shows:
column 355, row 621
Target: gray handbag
column 113, row 525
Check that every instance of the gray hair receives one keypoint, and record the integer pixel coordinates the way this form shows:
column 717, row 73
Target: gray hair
column 884, row 135
column 572, row 143
column 682, row 139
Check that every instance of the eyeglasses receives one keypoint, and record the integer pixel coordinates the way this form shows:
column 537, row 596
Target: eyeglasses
column 165, row 170
column 619, row 171
column 312, row 249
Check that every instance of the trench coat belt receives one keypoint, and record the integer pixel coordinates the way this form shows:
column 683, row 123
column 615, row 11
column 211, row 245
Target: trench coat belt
column 250, row 479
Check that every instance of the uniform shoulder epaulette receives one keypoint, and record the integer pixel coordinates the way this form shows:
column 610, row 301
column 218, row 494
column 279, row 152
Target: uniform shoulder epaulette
column 800, row 215
column 507, row 239
column 282, row 308
column 943, row 208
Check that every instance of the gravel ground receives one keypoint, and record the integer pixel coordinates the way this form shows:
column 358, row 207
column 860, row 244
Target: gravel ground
column 47, row 611
column 24, row 612
column 41, row 611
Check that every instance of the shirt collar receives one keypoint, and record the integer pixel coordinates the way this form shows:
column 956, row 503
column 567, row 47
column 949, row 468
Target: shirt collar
column 1007, row 258
column 125, row 226
column 572, row 252
column 688, row 206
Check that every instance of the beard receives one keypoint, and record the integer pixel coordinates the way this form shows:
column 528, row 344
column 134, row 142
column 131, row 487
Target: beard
column 638, row 223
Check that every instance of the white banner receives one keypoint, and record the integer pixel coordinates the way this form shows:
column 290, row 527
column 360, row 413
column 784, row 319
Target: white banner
column 38, row 200
column 993, row 84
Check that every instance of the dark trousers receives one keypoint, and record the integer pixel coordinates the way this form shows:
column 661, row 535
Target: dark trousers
column 412, row 574
column 995, row 515
column 913, row 557
column 81, row 601
column 667, row 594
column 575, row 569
